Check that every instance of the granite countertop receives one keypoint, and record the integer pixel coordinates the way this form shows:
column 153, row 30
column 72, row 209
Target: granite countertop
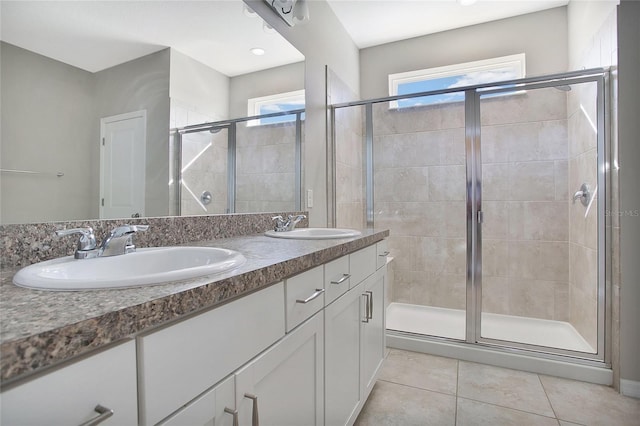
column 40, row 329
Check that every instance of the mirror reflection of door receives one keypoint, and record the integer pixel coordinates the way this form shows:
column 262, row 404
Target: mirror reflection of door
column 122, row 165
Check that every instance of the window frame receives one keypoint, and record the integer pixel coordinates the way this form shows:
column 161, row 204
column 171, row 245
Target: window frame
column 517, row 61
column 255, row 104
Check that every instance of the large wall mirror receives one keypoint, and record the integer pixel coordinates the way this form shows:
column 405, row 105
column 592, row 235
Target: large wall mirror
column 94, row 92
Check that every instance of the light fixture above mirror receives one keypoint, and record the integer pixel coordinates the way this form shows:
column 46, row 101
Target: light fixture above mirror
column 293, row 12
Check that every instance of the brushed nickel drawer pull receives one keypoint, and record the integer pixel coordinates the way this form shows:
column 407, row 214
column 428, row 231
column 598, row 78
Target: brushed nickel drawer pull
column 367, row 306
column 255, row 418
column 104, row 414
column 343, row 279
column 234, row 413
column 317, row 293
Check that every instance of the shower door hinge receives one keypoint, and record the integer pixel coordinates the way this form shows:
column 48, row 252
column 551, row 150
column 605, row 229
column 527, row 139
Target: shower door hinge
column 480, row 216
column 103, row 202
column 102, row 141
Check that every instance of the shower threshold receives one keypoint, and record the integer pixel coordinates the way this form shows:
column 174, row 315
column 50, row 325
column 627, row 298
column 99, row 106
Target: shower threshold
column 450, row 323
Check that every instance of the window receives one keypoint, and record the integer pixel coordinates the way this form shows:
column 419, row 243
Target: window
column 460, row 75
column 275, row 103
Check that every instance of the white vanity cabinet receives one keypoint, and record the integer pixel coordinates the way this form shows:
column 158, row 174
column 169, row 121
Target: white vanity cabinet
column 284, row 385
column 178, row 363
column 304, row 351
column 215, row 408
column 71, row 394
column 354, row 339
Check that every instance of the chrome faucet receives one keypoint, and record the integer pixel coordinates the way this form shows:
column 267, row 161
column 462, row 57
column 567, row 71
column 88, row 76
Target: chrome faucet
column 289, row 224
column 119, row 241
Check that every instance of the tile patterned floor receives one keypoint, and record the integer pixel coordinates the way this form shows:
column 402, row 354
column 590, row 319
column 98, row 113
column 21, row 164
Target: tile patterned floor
column 421, row 389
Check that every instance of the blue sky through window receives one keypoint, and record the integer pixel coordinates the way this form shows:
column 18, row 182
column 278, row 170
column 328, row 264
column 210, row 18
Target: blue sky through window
column 280, row 107
column 453, row 81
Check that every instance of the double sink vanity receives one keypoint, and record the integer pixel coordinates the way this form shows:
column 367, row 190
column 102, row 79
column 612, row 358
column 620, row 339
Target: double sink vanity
column 284, row 330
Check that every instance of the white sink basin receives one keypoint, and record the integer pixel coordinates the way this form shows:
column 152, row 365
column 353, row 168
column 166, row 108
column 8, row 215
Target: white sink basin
column 314, row 233
column 144, row 267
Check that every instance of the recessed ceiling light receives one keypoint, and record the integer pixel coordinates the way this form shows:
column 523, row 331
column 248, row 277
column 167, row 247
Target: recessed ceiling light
column 466, row 2
column 257, row 51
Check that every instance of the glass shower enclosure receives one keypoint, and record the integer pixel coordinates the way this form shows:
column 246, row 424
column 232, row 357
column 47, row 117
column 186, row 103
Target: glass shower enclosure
column 245, row 165
column 495, row 199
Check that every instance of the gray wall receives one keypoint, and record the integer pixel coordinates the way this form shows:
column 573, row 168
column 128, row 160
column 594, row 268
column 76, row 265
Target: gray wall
column 323, row 41
column 629, row 146
column 542, row 36
column 47, row 125
column 141, row 84
column 199, row 86
column 286, row 78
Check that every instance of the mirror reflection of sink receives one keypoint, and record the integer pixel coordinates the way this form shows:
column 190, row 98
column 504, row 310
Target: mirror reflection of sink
column 144, row 267
column 314, row 233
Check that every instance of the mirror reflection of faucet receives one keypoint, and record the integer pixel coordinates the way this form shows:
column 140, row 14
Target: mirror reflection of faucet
column 119, row 241
column 287, row 225
column 584, row 195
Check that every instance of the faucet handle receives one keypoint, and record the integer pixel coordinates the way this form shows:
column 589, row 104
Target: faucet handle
column 87, row 239
column 281, row 224
column 128, row 229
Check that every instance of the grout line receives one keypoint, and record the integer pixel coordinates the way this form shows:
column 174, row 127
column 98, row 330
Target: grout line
column 415, row 387
column 548, row 399
column 509, row 408
column 455, row 414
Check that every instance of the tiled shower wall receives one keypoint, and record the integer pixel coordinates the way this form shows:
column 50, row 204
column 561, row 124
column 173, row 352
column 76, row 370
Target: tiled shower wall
column 420, row 175
column 600, row 51
column 419, row 193
column 265, row 167
column 525, row 237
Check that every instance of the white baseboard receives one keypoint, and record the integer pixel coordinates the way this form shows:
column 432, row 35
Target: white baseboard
column 630, row 388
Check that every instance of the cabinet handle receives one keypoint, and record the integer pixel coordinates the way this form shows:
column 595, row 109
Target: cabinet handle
column 104, row 414
column 234, row 413
column 385, row 254
column 343, row 279
column 317, row 293
column 367, row 306
column 255, row 418
column 370, row 303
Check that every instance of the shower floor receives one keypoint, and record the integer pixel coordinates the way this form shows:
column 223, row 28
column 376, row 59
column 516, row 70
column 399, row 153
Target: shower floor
column 444, row 322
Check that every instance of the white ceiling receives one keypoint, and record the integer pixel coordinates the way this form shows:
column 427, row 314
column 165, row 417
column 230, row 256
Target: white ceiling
column 374, row 22
column 94, row 35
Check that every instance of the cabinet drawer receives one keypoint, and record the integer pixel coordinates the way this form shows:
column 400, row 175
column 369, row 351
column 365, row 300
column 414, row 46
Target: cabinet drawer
column 336, row 279
column 304, row 295
column 382, row 251
column 181, row 361
column 209, row 409
column 362, row 264
column 68, row 396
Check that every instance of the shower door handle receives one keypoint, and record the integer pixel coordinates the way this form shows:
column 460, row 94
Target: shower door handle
column 480, row 216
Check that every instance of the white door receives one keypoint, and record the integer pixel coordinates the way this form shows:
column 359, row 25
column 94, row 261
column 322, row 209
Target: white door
column 122, row 165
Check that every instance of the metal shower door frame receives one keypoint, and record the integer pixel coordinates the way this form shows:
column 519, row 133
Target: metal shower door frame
column 474, row 210
column 475, row 216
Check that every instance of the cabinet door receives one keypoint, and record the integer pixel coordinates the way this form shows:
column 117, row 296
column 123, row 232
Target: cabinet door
column 69, row 395
column 215, row 408
column 373, row 330
column 343, row 391
column 284, row 385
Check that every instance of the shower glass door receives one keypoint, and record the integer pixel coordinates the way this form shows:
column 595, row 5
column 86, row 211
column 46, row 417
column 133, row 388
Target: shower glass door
column 539, row 202
column 419, row 194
